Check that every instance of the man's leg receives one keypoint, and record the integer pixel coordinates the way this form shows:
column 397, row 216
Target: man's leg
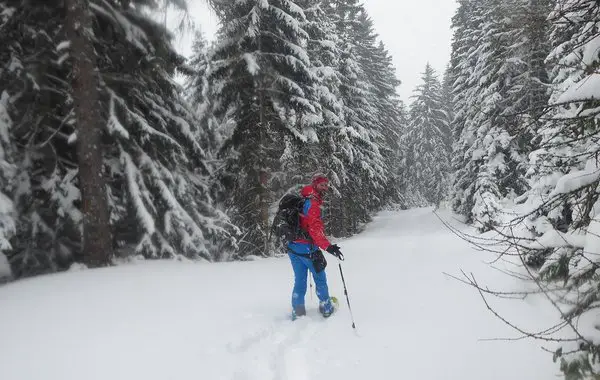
column 299, row 292
column 325, row 305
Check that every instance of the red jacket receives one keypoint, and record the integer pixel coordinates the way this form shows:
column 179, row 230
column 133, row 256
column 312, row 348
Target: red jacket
column 311, row 222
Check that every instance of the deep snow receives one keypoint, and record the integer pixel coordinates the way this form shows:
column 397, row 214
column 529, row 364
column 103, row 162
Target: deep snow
column 178, row 320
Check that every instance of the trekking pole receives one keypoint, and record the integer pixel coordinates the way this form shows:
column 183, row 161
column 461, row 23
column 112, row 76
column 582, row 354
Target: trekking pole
column 347, row 298
column 310, row 282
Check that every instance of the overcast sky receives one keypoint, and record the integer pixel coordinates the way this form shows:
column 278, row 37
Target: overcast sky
column 414, row 31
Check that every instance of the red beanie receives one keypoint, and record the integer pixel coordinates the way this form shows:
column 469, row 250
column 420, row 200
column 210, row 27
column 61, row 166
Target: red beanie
column 319, row 178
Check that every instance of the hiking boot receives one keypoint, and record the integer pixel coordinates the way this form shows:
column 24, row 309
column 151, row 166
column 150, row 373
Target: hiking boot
column 326, row 308
column 298, row 311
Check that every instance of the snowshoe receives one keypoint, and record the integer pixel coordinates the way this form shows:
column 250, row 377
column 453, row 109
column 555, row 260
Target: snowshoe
column 334, row 301
column 329, row 307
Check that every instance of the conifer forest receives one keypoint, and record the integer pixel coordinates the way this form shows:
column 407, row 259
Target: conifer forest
column 115, row 147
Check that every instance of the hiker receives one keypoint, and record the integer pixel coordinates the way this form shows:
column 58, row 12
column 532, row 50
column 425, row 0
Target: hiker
column 305, row 252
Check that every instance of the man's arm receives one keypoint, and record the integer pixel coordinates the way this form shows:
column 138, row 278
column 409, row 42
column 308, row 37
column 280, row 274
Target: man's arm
column 315, row 226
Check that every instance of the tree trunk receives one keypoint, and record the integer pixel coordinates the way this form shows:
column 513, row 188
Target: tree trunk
column 97, row 241
column 263, row 172
column 263, row 178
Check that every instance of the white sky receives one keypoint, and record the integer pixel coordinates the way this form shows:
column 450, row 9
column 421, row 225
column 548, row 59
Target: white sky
column 414, row 31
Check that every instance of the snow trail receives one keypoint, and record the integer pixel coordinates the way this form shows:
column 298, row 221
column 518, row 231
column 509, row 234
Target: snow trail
column 230, row 321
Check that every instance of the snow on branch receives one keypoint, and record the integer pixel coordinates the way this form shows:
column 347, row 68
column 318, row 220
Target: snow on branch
column 251, row 64
column 113, row 124
column 142, row 123
column 289, row 21
column 133, row 178
column 177, row 210
column 133, row 33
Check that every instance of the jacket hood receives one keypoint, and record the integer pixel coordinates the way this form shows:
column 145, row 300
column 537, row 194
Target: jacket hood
column 310, row 192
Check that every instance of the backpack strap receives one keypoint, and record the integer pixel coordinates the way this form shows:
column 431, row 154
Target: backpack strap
column 304, row 213
column 306, row 206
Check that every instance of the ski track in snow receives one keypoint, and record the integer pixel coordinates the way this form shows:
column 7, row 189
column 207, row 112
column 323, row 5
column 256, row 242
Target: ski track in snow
column 230, row 321
column 277, row 352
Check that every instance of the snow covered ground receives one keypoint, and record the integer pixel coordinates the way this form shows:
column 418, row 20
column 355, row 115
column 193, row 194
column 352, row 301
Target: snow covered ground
column 160, row 320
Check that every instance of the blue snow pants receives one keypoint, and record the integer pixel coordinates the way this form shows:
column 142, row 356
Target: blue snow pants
column 301, row 265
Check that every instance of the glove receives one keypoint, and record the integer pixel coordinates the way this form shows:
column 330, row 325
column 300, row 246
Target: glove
column 335, row 251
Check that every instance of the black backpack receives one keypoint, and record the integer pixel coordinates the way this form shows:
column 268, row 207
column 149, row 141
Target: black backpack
column 286, row 224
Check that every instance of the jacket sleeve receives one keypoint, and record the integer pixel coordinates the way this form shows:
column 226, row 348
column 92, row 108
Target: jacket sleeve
column 315, row 226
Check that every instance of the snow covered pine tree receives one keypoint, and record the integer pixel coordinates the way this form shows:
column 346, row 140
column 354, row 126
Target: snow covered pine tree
column 154, row 163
